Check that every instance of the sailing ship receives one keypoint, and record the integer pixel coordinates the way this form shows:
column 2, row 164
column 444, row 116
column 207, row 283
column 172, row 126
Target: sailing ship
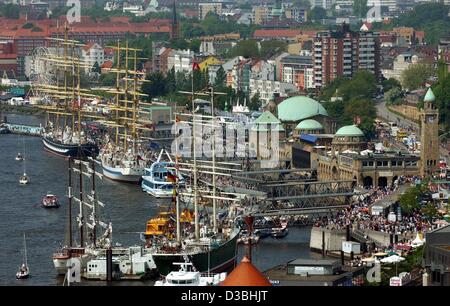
column 124, row 156
column 67, row 98
column 159, row 179
column 129, row 262
column 88, row 206
column 24, row 270
column 208, row 248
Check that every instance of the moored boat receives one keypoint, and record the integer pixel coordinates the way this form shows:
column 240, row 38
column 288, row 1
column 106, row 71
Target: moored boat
column 160, row 178
column 187, row 275
column 24, row 270
column 69, row 149
column 207, row 254
column 50, row 201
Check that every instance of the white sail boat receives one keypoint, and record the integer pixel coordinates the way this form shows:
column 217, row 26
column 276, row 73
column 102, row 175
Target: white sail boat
column 24, row 178
column 24, row 271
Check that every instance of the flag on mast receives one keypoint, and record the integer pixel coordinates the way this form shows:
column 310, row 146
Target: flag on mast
column 195, row 66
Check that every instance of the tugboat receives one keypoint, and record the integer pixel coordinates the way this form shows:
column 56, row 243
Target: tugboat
column 50, row 201
column 24, row 271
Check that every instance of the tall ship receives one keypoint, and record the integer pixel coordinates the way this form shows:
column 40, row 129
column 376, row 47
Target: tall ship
column 124, row 156
column 55, row 78
column 208, row 243
column 127, row 263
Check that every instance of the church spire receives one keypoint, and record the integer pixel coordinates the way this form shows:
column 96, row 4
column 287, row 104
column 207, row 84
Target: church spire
column 174, row 34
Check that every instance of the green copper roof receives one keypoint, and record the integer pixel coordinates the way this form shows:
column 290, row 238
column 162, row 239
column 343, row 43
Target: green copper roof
column 299, row 108
column 429, row 97
column 266, row 118
column 309, row 124
column 349, row 130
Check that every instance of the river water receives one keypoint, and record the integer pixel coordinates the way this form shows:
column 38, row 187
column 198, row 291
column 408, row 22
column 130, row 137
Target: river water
column 128, row 208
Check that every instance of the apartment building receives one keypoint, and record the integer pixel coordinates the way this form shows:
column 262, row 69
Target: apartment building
column 205, row 8
column 343, row 52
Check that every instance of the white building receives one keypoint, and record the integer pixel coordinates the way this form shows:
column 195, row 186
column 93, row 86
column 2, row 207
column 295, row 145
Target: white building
column 325, row 4
column 401, row 63
column 390, row 4
column 205, row 8
column 180, row 60
column 267, row 89
column 91, row 54
column 309, row 78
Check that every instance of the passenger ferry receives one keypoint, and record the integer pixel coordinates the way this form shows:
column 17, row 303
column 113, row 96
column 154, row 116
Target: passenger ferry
column 160, row 178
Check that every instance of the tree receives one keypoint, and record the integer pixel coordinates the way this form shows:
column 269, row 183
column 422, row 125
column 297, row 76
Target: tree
column 416, row 75
column 108, row 79
column 365, row 110
column 271, row 47
column 361, row 85
column 430, row 211
column 156, row 85
column 442, row 93
column 10, row 11
column 409, row 201
column 394, row 96
column 221, row 77
column 245, row 48
column 318, row 13
column 255, row 102
column 171, row 81
column 96, row 68
column 360, row 8
column 391, row 83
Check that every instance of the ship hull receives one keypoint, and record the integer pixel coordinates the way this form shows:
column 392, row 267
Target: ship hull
column 66, row 151
column 220, row 259
column 116, row 174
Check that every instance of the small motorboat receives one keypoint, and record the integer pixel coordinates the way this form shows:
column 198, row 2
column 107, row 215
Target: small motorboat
column 263, row 233
column 50, row 201
column 279, row 232
column 23, row 179
column 19, row 157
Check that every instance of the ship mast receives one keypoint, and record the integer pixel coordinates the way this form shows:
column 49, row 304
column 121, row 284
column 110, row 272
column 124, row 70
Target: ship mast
column 194, row 146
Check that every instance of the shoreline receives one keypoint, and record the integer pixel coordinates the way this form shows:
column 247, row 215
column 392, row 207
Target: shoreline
column 22, row 110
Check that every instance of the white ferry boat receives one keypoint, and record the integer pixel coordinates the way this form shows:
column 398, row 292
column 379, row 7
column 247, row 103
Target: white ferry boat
column 159, row 179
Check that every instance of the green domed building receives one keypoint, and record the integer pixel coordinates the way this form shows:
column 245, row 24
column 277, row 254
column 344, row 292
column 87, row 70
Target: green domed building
column 294, row 110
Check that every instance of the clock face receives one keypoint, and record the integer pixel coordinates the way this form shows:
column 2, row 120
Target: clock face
column 430, row 119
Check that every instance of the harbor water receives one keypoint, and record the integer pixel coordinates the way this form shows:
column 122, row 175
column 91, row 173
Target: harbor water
column 128, row 208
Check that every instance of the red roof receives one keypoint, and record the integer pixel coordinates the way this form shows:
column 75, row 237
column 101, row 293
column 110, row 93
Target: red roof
column 246, row 274
column 107, row 65
column 269, row 33
column 8, row 56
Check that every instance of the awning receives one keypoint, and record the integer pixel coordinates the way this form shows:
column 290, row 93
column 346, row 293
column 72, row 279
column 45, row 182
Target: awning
column 308, row 138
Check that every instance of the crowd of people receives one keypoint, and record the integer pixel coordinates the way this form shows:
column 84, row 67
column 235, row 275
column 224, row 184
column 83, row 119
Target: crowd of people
column 359, row 216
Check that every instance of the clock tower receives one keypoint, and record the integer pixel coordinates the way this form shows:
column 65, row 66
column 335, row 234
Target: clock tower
column 429, row 140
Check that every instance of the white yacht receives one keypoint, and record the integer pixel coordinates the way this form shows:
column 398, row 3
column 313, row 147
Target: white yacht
column 187, row 276
column 159, row 179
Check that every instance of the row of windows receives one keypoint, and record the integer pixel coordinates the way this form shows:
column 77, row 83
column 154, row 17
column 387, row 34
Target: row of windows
column 385, row 163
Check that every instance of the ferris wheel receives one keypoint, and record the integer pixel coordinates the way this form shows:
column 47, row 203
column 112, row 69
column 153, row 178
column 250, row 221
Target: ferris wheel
column 42, row 70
